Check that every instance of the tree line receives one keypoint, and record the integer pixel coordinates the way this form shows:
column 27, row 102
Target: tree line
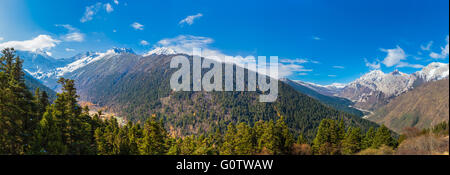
column 31, row 125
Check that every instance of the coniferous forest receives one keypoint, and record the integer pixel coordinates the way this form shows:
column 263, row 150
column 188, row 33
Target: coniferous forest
column 30, row 124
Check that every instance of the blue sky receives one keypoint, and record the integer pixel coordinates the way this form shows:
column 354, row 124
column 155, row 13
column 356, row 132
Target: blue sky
column 326, row 41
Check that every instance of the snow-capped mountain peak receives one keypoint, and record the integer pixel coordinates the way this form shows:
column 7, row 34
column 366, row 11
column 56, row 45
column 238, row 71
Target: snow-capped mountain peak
column 161, row 51
column 434, row 71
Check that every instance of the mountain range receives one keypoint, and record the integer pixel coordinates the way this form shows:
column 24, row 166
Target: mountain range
column 422, row 107
column 377, row 88
column 136, row 86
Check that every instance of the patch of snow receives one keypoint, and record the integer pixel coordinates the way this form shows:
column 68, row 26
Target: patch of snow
column 160, row 51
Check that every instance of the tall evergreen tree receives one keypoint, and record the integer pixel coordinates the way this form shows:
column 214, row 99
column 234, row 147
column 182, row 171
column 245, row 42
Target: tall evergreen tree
column 352, row 142
column 285, row 138
column 368, row 139
column 154, row 141
column 18, row 117
column 383, row 136
column 244, row 140
column 327, row 139
column 229, row 142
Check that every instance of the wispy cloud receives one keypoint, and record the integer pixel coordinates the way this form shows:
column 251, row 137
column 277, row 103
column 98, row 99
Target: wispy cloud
column 426, row 47
column 186, row 43
column 1, row 38
column 404, row 64
column 70, row 50
column 298, row 61
column 374, row 65
column 190, row 19
column 332, row 75
column 397, row 57
column 90, row 12
column 316, row 38
column 339, row 67
column 137, row 26
column 443, row 54
column 144, row 43
column 116, row 2
column 109, row 8
column 294, row 61
column 394, row 56
column 73, row 33
column 39, row 43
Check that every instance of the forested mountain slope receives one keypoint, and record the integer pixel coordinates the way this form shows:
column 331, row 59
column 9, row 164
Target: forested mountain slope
column 33, row 84
column 137, row 87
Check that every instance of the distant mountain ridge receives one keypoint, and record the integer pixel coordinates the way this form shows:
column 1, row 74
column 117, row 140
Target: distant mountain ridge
column 377, row 88
column 32, row 84
column 332, row 101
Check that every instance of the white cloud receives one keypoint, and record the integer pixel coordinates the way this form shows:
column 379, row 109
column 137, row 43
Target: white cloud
column 137, row 26
column 39, row 43
column 90, row 12
column 294, row 61
column 316, row 38
column 116, row 2
column 1, row 38
column 73, row 35
column 443, row 54
column 70, row 50
column 339, row 67
column 186, row 43
column 109, row 8
column 190, row 19
column 332, row 75
column 374, row 65
column 144, row 43
column 427, row 47
column 394, row 56
column 404, row 64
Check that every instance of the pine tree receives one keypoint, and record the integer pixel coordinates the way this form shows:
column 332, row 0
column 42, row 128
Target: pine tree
column 18, row 118
column 382, row 137
column 268, row 140
column 285, row 138
column 244, row 140
column 154, row 138
column 352, row 142
column 368, row 139
column 48, row 138
column 327, row 140
column 229, row 142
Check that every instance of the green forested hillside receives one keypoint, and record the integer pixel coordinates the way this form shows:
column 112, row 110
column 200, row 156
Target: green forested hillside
column 137, row 87
column 33, row 84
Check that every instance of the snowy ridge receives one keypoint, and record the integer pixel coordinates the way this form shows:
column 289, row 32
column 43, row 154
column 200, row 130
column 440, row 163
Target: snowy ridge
column 43, row 67
column 160, row 51
column 434, row 71
column 390, row 84
column 90, row 58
